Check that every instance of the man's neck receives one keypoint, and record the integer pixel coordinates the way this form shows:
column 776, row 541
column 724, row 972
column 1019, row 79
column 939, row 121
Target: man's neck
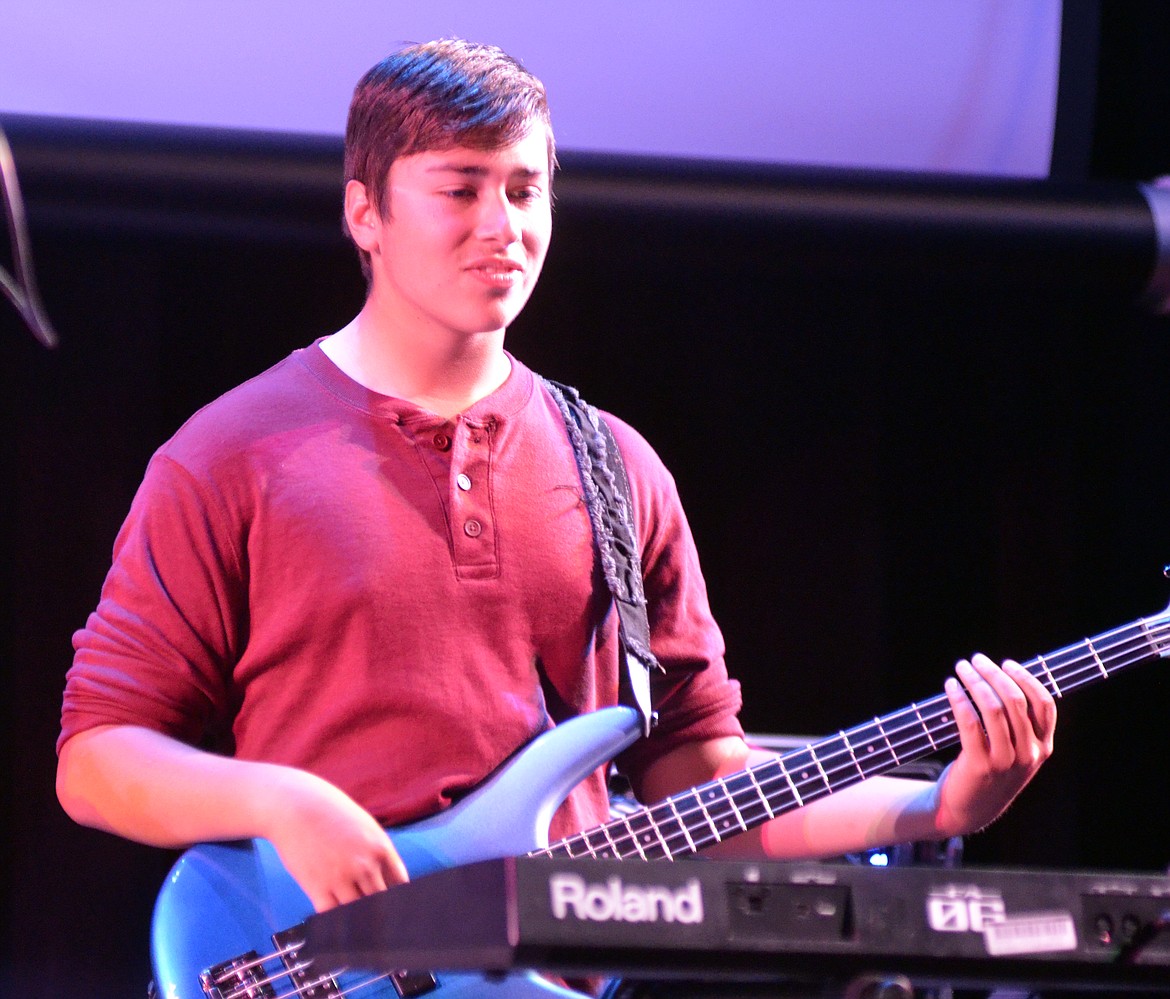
column 444, row 374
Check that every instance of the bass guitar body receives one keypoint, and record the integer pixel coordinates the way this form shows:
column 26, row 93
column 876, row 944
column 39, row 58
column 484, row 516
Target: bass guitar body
column 225, row 923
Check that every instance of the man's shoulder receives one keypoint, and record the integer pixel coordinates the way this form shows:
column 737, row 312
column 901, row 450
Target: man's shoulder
column 636, row 449
column 634, row 446
column 268, row 403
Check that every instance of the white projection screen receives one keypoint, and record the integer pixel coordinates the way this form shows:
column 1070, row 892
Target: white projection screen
column 950, row 86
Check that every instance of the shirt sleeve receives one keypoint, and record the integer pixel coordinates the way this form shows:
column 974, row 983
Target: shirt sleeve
column 694, row 697
column 156, row 650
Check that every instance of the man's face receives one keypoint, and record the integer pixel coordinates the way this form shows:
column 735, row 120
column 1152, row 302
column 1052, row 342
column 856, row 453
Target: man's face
column 465, row 236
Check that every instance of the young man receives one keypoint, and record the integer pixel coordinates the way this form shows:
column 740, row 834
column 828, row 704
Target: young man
column 352, row 587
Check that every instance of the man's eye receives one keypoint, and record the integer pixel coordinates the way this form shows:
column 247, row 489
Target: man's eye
column 460, row 194
column 526, row 194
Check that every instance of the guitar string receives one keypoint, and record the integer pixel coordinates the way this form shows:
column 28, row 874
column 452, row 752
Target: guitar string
column 252, row 965
column 839, row 766
column 844, row 762
column 1139, row 638
column 812, row 785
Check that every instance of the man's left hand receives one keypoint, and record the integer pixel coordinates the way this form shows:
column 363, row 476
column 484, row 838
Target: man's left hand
column 1006, row 720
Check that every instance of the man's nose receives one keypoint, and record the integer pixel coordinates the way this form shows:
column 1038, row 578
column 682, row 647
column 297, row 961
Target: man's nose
column 499, row 219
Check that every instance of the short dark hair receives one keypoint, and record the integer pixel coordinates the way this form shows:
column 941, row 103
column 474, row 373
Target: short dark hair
column 436, row 96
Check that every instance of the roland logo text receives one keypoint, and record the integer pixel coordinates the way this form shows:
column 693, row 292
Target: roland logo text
column 615, row 901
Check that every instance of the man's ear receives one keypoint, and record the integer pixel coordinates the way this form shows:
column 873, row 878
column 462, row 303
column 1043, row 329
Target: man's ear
column 361, row 217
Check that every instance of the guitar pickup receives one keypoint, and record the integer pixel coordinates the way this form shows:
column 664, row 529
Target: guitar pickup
column 409, row 984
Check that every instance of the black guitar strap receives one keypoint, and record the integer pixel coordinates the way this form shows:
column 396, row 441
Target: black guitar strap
column 607, row 496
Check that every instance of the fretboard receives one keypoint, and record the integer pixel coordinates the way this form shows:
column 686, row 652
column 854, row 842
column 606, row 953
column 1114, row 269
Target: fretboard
column 701, row 816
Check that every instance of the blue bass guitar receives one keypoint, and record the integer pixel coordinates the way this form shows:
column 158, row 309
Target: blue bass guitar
column 227, row 920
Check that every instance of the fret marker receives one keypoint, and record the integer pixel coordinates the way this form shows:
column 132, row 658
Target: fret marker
column 710, row 823
column 612, row 850
column 731, row 801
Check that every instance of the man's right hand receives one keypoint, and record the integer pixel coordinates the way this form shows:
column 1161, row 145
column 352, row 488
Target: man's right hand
column 153, row 789
column 333, row 848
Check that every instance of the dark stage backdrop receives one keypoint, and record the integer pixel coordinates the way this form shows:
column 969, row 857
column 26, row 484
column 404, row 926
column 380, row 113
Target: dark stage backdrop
column 894, row 450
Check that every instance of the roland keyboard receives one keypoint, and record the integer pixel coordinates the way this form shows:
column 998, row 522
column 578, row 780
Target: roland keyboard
column 734, row 920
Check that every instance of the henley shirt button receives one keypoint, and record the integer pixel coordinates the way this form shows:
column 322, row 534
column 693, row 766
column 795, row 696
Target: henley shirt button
column 463, row 481
column 442, row 441
column 473, row 528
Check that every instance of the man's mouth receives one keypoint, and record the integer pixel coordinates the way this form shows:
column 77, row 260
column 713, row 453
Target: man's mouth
column 497, row 272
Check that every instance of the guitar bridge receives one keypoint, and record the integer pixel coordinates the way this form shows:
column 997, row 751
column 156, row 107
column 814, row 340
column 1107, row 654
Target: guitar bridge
column 247, row 977
column 308, row 986
column 239, row 978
